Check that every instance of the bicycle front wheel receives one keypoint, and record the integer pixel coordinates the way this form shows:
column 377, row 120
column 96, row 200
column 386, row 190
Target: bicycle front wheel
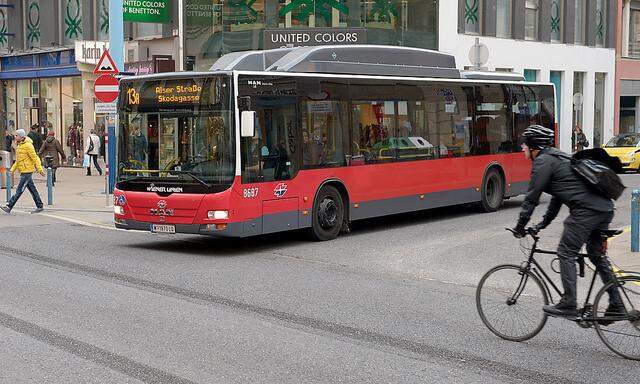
column 620, row 332
column 510, row 300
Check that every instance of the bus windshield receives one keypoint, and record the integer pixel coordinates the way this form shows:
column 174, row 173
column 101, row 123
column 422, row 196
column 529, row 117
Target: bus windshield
column 178, row 130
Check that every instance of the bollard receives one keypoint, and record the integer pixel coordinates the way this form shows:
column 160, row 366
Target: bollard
column 635, row 220
column 8, row 175
column 49, row 186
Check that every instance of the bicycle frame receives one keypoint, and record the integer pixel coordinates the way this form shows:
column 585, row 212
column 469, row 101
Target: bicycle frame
column 546, row 279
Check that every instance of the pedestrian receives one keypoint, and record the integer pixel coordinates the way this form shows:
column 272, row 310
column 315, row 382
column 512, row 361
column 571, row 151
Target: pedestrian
column 93, row 150
column 52, row 148
column 589, row 213
column 73, row 143
column 8, row 141
column 581, row 141
column 27, row 162
column 35, row 137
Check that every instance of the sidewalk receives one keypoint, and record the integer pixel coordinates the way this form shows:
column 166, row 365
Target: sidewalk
column 620, row 252
column 76, row 197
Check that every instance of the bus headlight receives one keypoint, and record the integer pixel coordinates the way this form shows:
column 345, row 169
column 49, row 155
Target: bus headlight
column 218, row 215
column 118, row 210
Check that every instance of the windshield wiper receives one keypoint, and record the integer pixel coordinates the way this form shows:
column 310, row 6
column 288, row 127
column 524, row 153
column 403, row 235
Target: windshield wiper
column 192, row 175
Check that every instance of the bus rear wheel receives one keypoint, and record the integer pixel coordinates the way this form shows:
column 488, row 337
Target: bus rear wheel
column 328, row 214
column 492, row 191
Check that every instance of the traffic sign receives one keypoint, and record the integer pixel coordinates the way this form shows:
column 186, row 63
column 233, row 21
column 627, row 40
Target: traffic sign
column 106, row 65
column 106, row 88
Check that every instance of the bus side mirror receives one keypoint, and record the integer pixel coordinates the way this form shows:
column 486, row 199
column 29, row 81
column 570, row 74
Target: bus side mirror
column 247, row 123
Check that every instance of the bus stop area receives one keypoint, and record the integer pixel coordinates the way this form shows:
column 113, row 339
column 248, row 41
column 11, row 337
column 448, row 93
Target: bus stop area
column 76, row 197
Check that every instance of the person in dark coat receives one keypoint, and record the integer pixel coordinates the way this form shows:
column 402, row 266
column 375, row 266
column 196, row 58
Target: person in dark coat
column 35, row 137
column 52, row 147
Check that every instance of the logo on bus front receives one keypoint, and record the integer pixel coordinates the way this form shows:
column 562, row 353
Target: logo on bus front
column 280, row 190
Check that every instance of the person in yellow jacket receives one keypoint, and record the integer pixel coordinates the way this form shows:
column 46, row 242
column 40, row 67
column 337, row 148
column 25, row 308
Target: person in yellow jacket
column 27, row 162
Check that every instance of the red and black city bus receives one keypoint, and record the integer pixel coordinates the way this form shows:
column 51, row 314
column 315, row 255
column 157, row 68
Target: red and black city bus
column 317, row 137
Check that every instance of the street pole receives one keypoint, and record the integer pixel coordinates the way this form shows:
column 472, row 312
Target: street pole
column 116, row 49
column 8, row 185
column 635, row 220
column 116, row 33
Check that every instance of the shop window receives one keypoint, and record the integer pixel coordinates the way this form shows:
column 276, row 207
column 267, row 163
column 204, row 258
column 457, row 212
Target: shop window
column 72, row 119
column 50, row 104
column 490, row 133
column 578, row 88
column 472, row 16
column 312, row 13
column 503, row 18
column 531, row 19
column 579, row 30
column 557, row 13
column 324, row 113
column 598, row 110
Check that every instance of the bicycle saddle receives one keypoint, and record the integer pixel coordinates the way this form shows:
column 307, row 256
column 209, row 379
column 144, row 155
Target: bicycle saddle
column 611, row 232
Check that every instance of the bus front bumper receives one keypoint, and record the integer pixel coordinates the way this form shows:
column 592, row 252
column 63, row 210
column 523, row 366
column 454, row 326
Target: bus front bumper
column 217, row 230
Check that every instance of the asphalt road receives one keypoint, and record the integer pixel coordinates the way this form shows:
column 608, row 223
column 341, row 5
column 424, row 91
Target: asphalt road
column 393, row 302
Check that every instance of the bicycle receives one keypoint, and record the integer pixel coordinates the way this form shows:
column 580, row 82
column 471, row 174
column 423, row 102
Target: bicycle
column 515, row 294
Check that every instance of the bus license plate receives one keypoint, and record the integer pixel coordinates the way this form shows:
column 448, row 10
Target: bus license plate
column 162, row 228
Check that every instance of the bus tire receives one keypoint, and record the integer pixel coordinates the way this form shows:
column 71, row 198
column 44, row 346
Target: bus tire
column 492, row 191
column 328, row 214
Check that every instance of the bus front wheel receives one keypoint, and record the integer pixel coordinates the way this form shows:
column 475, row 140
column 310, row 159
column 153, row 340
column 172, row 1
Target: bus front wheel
column 492, row 191
column 328, row 214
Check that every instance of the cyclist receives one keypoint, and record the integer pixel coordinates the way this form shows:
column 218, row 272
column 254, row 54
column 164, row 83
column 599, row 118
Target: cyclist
column 589, row 213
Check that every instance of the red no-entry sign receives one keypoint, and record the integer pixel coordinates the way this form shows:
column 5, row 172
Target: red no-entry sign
column 106, row 88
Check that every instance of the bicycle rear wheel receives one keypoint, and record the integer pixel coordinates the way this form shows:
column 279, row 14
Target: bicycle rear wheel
column 510, row 300
column 621, row 334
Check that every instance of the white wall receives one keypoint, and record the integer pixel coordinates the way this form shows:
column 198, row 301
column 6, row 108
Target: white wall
column 544, row 57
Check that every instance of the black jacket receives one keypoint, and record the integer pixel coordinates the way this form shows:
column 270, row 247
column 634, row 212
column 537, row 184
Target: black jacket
column 553, row 175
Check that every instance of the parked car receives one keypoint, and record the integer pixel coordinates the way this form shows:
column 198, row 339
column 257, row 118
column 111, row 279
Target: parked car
column 626, row 147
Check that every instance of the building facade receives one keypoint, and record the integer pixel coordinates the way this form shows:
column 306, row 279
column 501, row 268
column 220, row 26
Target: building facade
column 213, row 28
column 48, row 50
column 570, row 43
column 628, row 67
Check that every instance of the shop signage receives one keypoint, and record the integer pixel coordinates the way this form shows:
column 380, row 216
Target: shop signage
column 140, row 67
column 147, row 11
column 105, row 108
column 200, row 12
column 106, row 88
column 89, row 52
column 280, row 38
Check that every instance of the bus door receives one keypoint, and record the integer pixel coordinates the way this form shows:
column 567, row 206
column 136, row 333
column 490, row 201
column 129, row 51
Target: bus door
column 270, row 160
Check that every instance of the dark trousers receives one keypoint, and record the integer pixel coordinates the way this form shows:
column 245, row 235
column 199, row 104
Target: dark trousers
column 583, row 226
column 95, row 163
column 26, row 182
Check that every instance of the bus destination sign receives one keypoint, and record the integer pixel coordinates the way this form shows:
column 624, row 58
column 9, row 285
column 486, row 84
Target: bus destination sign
column 187, row 93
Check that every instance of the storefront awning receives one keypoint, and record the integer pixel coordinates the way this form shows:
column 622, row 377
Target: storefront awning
column 40, row 73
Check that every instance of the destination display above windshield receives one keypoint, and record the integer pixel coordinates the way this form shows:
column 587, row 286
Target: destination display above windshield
column 173, row 94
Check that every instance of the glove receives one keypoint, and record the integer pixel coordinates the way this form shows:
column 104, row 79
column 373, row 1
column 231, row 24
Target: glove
column 537, row 228
column 519, row 231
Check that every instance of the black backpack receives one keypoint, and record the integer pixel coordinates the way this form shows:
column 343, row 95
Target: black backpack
column 599, row 171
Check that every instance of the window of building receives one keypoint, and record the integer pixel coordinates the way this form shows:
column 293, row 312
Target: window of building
column 628, row 114
column 578, row 88
column 531, row 19
column 503, row 18
column 472, row 16
column 102, row 20
column 598, row 110
column 322, row 14
column 601, row 23
column 555, row 77
column 557, row 15
column 50, row 103
column 531, row 75
column 579, row 30
column 71, row 102
column 142, row 30
column 71, row 24
column 634, row 30
column 33, row 18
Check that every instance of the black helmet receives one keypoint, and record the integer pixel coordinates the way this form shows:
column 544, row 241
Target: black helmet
column 538, row 137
